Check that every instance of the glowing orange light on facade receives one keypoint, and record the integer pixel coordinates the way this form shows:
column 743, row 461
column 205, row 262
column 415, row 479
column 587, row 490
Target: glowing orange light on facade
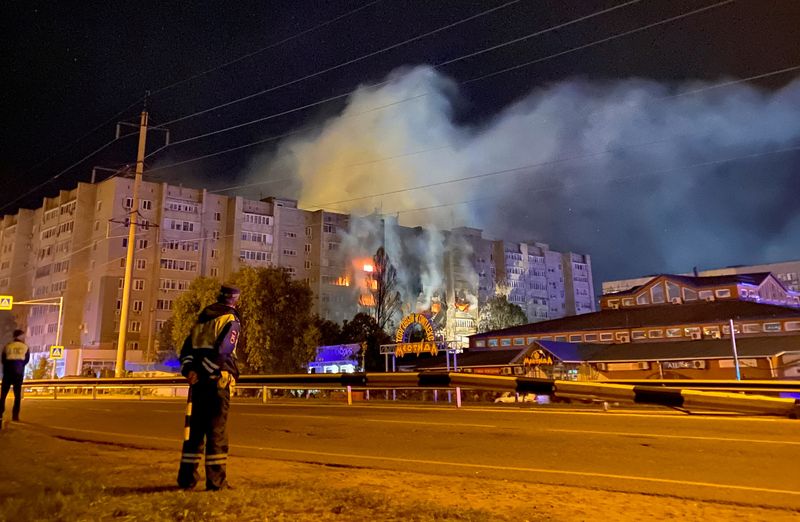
column 462, row 307
column 368, row 268
column 436, row 307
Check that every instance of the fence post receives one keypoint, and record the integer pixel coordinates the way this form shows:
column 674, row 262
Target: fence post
column 264, row 394
column 55, row 392
column 94, row 392
column 435, row 396
column 140, row 392
column 458, row 397
column 349, row 395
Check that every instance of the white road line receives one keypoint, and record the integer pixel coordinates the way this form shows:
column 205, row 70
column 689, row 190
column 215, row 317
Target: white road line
column 491, row 467
column 450, row 424
column 291, row 415
column 664, row 436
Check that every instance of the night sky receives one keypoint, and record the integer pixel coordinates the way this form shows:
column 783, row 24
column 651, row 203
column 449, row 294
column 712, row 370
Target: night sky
column 69, row 67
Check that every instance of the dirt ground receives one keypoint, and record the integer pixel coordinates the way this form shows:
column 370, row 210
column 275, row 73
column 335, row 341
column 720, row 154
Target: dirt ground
column 48, row 478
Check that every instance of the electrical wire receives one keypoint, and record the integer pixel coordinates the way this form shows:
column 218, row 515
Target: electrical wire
column 555, row 55
column 346, row 63
column 266, row 48
column 379, row 84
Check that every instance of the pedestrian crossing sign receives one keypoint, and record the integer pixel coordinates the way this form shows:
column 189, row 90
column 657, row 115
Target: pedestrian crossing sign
column 6, row 302
column 56, row 352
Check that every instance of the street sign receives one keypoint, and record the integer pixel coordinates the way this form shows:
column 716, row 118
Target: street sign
column 6, row 302
column 56, row 352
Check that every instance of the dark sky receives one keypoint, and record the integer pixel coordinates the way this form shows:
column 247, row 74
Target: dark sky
column 68, row 67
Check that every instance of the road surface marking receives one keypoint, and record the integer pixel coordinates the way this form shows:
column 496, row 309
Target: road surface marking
column 452, row 424
column 491, row 467
column 298, row 416
column 659, row 435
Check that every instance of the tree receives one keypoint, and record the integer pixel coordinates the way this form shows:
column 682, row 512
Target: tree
column 202, row 292
column 279, row 334
column 382, row 283
column 364, row 330
column 330, row 332
column 43, row 369
column 498, row 313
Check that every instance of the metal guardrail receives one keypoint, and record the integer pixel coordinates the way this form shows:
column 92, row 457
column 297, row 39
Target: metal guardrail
column 762, row 386
column 662, row 393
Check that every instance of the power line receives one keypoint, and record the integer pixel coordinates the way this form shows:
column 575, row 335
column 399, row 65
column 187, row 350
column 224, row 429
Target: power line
column 596, row 42
column 534, row 166
column 346, row 63
column 604, row 40
column 375, row 85
column 268, row 47
column 615, row 178
column 64, row 171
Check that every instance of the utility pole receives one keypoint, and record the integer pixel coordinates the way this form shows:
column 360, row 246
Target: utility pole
column 119, row 368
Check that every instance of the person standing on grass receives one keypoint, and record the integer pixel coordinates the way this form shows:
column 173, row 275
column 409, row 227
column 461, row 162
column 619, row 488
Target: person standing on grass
column 208, row 361
column 15, row 356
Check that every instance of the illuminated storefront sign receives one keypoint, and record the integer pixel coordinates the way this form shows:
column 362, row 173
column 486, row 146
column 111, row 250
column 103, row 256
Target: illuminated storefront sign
column 421, row 347
column 403, row 333
column 538, row 358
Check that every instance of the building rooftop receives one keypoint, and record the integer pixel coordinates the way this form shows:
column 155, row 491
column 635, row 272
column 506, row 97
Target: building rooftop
column 656, row 315
column 704, row 281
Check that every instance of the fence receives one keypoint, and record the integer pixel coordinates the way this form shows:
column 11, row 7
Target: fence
column 674, row 394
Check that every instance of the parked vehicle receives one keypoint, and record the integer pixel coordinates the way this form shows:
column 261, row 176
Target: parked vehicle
column 514, row 397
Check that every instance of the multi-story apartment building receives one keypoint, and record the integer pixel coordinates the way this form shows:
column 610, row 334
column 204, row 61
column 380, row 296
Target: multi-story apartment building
column 75, row 244
column 787, row 272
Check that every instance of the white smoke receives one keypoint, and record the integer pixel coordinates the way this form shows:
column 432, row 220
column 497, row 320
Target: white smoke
column 626, row 170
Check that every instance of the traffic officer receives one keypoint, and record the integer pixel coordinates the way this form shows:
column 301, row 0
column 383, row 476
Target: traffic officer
column 208, row 361
column 15, row 356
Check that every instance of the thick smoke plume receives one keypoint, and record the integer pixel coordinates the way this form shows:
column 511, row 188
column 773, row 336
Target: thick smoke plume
column 642, row 176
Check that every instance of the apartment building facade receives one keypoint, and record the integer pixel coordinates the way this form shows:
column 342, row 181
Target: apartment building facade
column 75, row 244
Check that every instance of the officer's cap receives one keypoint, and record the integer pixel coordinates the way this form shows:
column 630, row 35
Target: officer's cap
column 228, row 292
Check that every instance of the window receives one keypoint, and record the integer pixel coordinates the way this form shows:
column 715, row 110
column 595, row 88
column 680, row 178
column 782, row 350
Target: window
column 643, row 299
column 135, row 326
column 289, row 252
column 791, row 326
column 674, row 332
column 141, row 264
column 307, row 264
column 138, row 306
column 128, row 203
column 179, row 225
column 590, row 338
column 164, row 304
column 519, row 341
column 214, row 253
column 658, row 293
column 724, row 292
column 772, row 327
column 142, row 244
column 329, row 229
column 655, row 334
column 99, row 206
column 492, row 343
column 307, row 248
column 254, row 255
column 711, row 331
column 88, row 285
column 138, row 284
column 673, row 291
column 258, row 237
column 480, row 344
column 215, row 235
column 290, row 235
column 181, row 206
column 505, row 342
column 217, row 216
column 257, row 219
column 309, row 231
column 179, row 264
column 214, row 272
column 606, row 336
column 689, row 294
column 575, row 338
column 705, row 294
column 637, row 335
column 97, row 225
column 752, row 328
column 146, row 204
column 133, row 345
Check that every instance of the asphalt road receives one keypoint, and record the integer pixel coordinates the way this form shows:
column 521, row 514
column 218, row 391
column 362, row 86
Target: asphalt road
column 753, row 461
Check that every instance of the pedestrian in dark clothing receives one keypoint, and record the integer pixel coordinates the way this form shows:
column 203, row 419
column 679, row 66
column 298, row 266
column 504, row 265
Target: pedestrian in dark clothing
column 15, row 356
column 208, row 361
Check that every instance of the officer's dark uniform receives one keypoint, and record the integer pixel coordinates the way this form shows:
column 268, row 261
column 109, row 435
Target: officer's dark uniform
column 15, row 356
column 209, row 351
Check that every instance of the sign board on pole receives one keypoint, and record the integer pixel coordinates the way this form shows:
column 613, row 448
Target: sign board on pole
column 6, row 302
column 56, row 352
